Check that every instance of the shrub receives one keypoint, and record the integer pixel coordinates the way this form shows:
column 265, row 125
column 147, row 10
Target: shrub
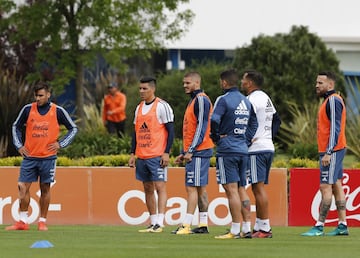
column 281, row 163
column 87, row 144
column 176, row 147
column 306, row 163
column 64, row 161
column 10, row 161
column 304, row 150
column 356, row 165
column 300, row 134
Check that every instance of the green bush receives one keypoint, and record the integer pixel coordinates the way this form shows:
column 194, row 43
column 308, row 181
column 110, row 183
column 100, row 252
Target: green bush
column 88, row 144
column 10, row 161
column 304, row 150
column 299, row 135
column 64, row 162
column 303, row 163
column 280, row 163
column 176, row 147
column 356, row 165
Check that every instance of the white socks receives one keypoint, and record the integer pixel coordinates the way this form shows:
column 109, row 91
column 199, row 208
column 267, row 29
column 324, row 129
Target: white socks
column 24, row 216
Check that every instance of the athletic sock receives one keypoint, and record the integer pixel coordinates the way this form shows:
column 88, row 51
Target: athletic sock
column 24, row 216
column 42, row 219
column 235, row 228
column 203, row 219
column 256, row 225
column 319, row 224
column 264, row 225
column 342, row 222
column 160, row 219
column 246, row 226
column 153, row 219
column 188, row 219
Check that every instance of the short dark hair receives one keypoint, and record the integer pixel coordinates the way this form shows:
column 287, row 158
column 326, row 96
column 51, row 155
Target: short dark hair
column 256, row 77
column 148, row 79
column 330, row 75
column 41, row 86
column 231, row 76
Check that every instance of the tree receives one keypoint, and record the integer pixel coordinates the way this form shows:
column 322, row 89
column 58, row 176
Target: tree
column 17, row 58
column 69, row 33
column 290, row 63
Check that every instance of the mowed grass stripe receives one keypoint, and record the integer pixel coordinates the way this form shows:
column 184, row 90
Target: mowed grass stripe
column 125, row 241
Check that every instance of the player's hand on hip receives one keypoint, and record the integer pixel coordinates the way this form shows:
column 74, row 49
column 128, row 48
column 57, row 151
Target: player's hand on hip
column 54, row 146
column 23, row 151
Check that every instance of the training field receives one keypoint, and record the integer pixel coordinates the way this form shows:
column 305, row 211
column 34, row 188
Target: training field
column 125, row 241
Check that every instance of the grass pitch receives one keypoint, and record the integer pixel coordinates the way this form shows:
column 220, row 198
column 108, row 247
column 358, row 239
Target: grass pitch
column 125, row 241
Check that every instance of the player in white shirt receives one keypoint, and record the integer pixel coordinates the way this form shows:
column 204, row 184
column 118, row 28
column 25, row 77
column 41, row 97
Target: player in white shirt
column 261, row 150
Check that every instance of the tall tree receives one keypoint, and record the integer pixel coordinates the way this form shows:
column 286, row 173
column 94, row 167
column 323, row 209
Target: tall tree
column 69, row 33
column 19, row 57
column 290, row 63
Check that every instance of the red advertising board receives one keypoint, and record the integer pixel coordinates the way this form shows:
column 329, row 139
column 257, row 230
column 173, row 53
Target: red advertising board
column 103, row 195
column 304, row 197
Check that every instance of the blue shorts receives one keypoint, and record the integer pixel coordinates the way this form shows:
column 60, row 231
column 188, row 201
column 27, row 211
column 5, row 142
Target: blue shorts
column 148, row 170
column 197, row 171
column 258, row 167
column 231, row 169
column 330, row 174
column 33, row 169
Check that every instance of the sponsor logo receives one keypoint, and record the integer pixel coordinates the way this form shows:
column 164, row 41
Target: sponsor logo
column 269, row 107
column 352, row 203
column 144, row 128
column 241, row 109
column 239, row 131
column 175, row 205
column 241, row 121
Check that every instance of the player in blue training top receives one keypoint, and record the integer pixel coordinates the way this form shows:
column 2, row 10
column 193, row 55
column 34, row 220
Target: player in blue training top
column 233, row 125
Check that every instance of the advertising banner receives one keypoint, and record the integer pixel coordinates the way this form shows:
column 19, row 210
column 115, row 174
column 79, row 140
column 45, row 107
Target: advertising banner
column 104, row 195
column 305, row 197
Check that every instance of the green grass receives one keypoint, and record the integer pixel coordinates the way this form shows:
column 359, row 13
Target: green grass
column 125, row 241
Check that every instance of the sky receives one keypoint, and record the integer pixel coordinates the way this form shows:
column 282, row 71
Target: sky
column 227, row 24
